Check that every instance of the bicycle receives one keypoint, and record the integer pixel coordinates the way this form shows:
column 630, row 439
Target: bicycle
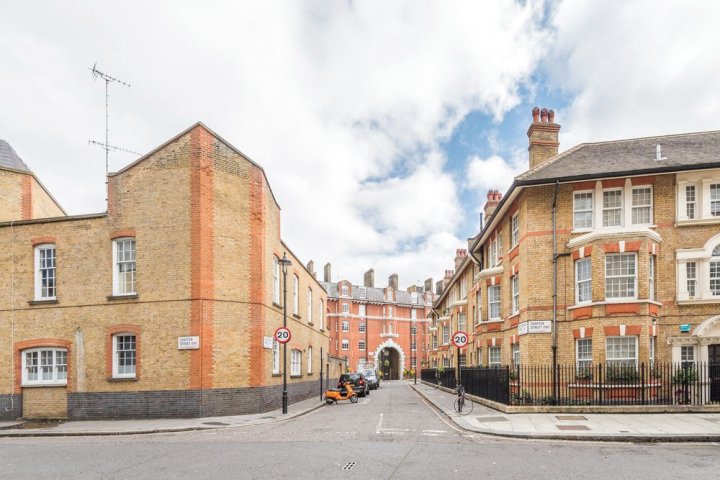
column 463, row 405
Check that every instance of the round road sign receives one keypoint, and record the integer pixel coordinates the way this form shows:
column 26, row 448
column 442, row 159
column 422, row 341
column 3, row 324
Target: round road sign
column 460, row 339
column 282, row 335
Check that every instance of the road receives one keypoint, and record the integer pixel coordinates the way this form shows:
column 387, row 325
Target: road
column 392, row 433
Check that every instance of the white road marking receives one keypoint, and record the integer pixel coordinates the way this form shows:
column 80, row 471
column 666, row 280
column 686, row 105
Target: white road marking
column 379, row 425
column 434, row 431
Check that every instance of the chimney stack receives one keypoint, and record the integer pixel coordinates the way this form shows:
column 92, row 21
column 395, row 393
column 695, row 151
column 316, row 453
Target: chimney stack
column 493, row 199
column 428, row 285
column 543, row 136
column 393, row 281
column 460, row 255
column 369, row 279
column 327, row 273
column 311, row 268
column 448, row 276
column 438, row 287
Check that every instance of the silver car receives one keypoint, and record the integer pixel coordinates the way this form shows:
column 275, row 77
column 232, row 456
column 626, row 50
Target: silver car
column 372, row 378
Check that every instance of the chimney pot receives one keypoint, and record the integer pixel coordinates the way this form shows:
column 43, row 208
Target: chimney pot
column 543, row 115
column 535, row 114
column 543, row 139
column 551, row 116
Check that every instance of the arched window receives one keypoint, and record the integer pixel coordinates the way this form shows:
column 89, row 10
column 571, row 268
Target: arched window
column 715, row 272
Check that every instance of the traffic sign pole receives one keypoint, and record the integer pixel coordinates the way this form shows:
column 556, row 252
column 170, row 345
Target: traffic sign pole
column 459, row 339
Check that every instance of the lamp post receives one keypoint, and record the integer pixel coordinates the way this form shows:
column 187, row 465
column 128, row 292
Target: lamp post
column 284, row 263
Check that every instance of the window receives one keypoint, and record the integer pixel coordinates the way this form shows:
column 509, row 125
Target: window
column 276, row 280
column 691, row 273
column 690, row 201
column 44, row 366
column 434, row 342
column 413, row 330
column 362, row 292
column 413, row 362
column 463, row 360
column 612, row 208
column 309, row 360
column 295, row 362
column 715, row 200
column 296, row 295
column 446, row 362
column 309, row 305
column 583, row 281
column 445, row 334
column 583, row 210
column 361, row 327
column 345, row 326
column 494, row 302
column 345, row 308
column 45, row 272
column 493, row 356
column 413, row 345
column 514, row 230
column 124, row 355
column 642, row 206
column 344, row 290
column 346, row 344
column 361, row 345
column 583, row 355
column 651, row 351
column 687, row 355
column 715, row 272
column 516, row 354
column 620, row 276
column 124, row 266
column 389, row 312
column 478, row 307
column 276, row 357
column 413, row 314
column 515, row 284
column 389, row 295
column 651, row 277
column 321, row 315
column 621, row 352
column 413, row 297
column 462, row 321
column 463, row 289
column 479, row 357
column 361, row 310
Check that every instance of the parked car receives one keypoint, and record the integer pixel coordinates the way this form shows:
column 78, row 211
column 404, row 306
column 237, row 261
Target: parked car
column 358, row 381
column 373, row 380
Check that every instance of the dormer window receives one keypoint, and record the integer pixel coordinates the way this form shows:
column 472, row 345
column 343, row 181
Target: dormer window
column 344, row 290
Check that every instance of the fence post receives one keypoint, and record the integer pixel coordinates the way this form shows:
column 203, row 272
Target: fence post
column 600, row 384
column 642, row 382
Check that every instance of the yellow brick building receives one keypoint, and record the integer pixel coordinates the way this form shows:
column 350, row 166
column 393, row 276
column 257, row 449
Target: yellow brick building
column 165, row 305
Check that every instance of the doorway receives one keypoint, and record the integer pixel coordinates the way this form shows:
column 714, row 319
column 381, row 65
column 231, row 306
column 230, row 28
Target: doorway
column 714, row 372
column 390, row 363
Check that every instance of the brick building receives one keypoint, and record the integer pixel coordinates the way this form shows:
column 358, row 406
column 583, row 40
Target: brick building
column 165, row 305
column 610, row 251
column 369, row 325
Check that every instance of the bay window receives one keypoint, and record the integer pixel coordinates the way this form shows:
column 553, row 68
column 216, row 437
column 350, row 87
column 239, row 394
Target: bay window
column 583, row 281
column 620, row 276
column 583, row 210
column 44, row 366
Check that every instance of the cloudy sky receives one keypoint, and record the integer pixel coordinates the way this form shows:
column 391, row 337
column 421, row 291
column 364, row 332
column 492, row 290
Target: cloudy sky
column 381, row 124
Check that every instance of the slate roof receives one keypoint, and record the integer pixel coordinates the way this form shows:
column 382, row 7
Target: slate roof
column 9, row 159
column 637, row 156
column 374, row 294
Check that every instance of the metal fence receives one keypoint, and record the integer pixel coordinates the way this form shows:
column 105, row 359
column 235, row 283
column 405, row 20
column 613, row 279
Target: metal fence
column 616, row 384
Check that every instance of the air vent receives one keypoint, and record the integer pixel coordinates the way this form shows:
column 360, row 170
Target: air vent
column 349, row 466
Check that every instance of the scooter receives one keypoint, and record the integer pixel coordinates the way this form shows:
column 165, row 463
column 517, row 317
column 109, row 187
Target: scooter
column 334, row 394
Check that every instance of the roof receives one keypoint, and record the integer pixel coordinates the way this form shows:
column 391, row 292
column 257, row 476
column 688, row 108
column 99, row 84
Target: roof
column 688, row 151
column 374, row 294
column 10, row 159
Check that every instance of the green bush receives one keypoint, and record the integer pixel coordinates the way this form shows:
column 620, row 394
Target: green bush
column 685, row 375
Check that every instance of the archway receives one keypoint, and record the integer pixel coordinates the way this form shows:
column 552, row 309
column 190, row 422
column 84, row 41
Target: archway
column 395, row 356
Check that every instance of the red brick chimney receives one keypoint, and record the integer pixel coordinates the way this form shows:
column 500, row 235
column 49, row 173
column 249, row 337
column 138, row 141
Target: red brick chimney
column 543, row 136
column 460, row 255
column 493, row 199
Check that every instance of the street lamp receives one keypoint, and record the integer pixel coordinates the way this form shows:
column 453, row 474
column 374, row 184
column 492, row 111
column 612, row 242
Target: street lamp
column 285, row 263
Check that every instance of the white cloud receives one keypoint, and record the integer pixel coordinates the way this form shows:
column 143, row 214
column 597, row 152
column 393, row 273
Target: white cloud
column 493, row 173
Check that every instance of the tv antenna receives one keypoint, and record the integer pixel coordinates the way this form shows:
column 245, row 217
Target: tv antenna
column 106, row 145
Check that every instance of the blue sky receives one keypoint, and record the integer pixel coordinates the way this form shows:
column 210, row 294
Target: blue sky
column 381, row 125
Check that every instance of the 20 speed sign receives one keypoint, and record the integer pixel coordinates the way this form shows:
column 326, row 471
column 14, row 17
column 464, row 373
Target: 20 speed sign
column 460, row 339
column 282, row 335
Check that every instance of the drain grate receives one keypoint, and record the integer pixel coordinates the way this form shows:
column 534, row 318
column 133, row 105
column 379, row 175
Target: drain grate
column 349, row 466
column 570, row 417
column 572, row 427
column 491, row 419
column 215, row 423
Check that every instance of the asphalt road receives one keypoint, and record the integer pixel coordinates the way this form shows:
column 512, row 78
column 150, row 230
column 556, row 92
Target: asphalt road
column 392, row 433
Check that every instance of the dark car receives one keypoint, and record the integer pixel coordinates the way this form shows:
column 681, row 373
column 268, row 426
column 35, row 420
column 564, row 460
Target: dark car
column 358, row 381
column 372, row 378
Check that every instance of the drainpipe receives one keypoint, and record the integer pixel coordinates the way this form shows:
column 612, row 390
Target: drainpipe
column 555, row 287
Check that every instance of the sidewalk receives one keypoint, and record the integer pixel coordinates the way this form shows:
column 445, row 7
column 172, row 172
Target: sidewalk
column 623, row 427
column 160, row 425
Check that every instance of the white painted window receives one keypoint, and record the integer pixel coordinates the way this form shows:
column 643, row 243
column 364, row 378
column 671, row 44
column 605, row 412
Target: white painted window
column 124, row 266
column 463, row 288
column 124, row 355
column 309, row 305
column 651, row 277
column 362, row 292
column 494, row 356
column 583, row 281
column 345, row 326
column 446, row 362
column 687, row 355
column 44, row 366
column 690, row 201
column 296, row 295
column 515, row 284
column 515, row 354
column 445, row 334
column 45, row 280
column 621, row 352
column 389, row 295
column 514, row 230
column 583, row 210
column 641, row 205
column 651, row 351
column 621, row 276
column 691, row 275
column 344, row 290
column 413, row 297
column 276, row 357
column 309, row 360
column 494, row 302
column 413, row 362
column 612, row 212
column 462, row 321
column 346, row 344
column 361, row 345
column 434, row 342
column 715, row 272
column 295, row 362
column 345, row 308
column 361, row 327
column 276, row 280
column 478, row 307
column 361, row 310
column 321, row 315
column 715, row 200
column 390, row 312
column 413, row 314
column 413, row 330
column 583, row 355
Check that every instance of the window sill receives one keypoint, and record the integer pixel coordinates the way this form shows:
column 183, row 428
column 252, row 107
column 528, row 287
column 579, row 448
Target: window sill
column 295, row 376
column 311, row 323
column 49, row 301
column 122, row 379
column 132, row 296
column 44, row 385
column 277, row 374
column 697, row 221
column 275, row 304
column 309, row 374
column 492, row 320
column 295, row 315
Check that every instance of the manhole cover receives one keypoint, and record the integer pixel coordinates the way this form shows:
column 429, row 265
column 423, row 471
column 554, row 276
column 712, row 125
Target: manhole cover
column 491, row 419
column 215, row 423
column 572, row 427
column 570, row 417
column 349, row 466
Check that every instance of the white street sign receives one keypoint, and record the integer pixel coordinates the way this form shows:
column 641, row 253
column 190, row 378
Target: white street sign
column 535, row 326
column 188, row 343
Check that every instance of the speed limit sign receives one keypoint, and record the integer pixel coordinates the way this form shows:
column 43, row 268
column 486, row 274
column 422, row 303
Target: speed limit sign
column 460, row 339
column 282, row 335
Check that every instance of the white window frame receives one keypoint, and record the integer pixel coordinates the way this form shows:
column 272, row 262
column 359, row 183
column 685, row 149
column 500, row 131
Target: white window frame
column 494, row 299
column 514, row 230
column 309, row 305
column 361, row 345
column 583, row 354
column 345, row 326
column 321, row 315
column 515, row 286
column 651, row 350
column 57, row 370
column 687, row 355
column 583, row 281
column 389, row 295
column 132, row 372
column 691, row 279
column 478, row 307
column 45, row 271
column 361, row 327
column 276, row 357
column 617, row 359
column 344, row 290
column 345, row 344
column 309, row 360
column 714, row 273
column 413, row 314
column 446, row 334
column 345, row 308
column 462, row 322
column 515, row 354
column 651, row 277
column 296, row 295
column 714, row 205
column 691, row 201
column 494, row 356
column 295, row 362
column 362, row 309
column 578, row 210
column 276, row 280
column 612, row 208
column 610, row 279
column 635, row 208
column 119, row 289
column 362, row 292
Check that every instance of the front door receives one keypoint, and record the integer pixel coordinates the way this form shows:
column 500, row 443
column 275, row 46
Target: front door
column 714, row 372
